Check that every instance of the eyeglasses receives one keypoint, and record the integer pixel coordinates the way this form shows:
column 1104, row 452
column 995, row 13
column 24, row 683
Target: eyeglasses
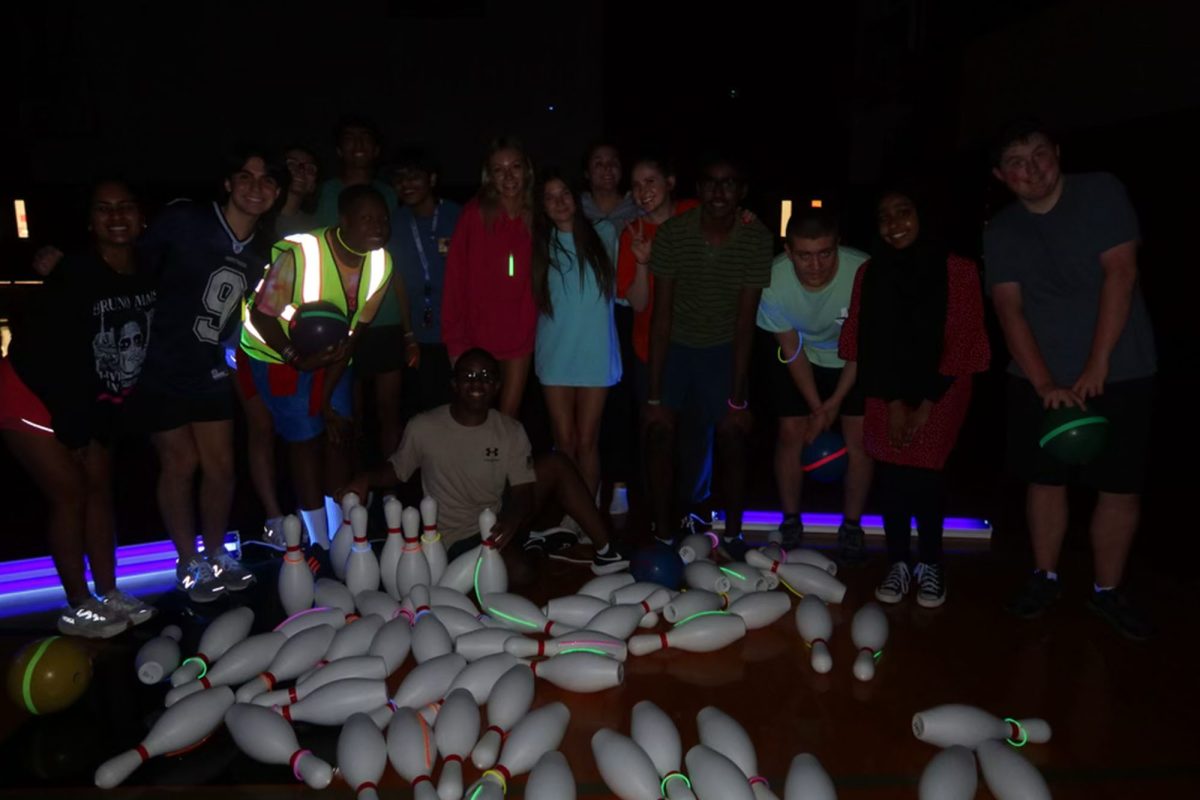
column 480, row 375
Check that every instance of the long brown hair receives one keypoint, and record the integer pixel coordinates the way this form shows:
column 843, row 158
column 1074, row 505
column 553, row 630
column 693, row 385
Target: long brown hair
column 489, row 197
column 547, row 248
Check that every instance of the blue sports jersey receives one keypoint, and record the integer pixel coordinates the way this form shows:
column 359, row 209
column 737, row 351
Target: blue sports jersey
column 203, row 272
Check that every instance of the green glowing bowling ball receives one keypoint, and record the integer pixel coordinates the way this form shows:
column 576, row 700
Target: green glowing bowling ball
column 1074, row 435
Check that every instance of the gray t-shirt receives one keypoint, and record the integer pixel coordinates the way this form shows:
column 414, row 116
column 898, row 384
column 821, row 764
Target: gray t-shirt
column 1055, row 257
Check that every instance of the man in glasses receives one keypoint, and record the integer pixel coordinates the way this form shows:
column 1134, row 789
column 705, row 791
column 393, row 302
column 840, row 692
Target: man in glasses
column 420, row 241
column 473, row 457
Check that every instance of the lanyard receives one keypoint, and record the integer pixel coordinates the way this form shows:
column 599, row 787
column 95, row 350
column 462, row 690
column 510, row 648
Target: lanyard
column 412, row 222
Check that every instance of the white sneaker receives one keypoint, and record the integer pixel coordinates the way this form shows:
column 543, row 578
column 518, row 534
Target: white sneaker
column 895, row 585
column 231, row 573
column 92, row 619
column 197, row 578
column 273, row 533
column 133, row 608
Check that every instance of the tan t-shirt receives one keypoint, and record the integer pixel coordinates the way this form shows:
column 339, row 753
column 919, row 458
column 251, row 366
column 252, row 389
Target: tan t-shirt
column 464, row 468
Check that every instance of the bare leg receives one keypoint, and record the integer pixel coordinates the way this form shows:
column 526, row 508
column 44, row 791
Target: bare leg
column 178, row 461
column 731, row 466
column 260, row 447
column 859, row 469
column 1114, row 523
column 1046, row 515
column 99, row 536
column 560, row 402
column 514, row 373
column 789, row 475
column 214, row 444
column 589, row 408
column 558, row 481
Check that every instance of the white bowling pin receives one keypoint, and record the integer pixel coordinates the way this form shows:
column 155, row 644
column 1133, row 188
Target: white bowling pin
column 651, row 593
column 427, row 683
column 693, row 601
column 265, row 736
column 333, row 703
column 295, row 578
column 491, row 575
column 617, row 621
column 483, row 642
column 456, row 621
column 354, row 639
column 763, row 559
column 807, row 579
column 158, row 657
column 442, row 596
column 377, row 603
column 1008, row 774
column 510, row 700
column 539, row 732
column 188, row 722
column 431, row 541
column 362, row 566
column 625, row 767
column 411, row 751
column 244, row 660
column 808, row 780
column 724, row 734
column 581, row 672
column 430, row 638
column 297, row 655
column 697, row 546
column 480, row 677
column 328, row 593
column 392, row 643
column 967, row 725
column 460, row 573
column 707, row 576
column 603, row 586
column 361, row 756
column 343, row 540
column 363, row 667
column 700, row 635
column 746, row 578
column 574, row 610
column 816, row 626
column 761, row 608
column 951, row 775
column 517, row 613
column 455, row 732
column 393, row 546
column 551, row 779
column 582, row 640
column 869, row 632
column 412, row 569
column 715, row 777
column 657, row 735
column 221, row 634
column 311, row 618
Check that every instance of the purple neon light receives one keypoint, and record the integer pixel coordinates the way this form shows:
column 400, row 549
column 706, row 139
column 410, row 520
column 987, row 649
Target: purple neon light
column 149, row 552
column 834, row 520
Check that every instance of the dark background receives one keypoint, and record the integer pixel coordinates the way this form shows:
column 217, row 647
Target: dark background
column 823, row 101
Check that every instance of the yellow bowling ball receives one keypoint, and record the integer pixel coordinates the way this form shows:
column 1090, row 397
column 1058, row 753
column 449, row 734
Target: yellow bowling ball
column 48, row 675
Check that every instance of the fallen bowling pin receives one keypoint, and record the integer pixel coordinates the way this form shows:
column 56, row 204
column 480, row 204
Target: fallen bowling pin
column 480, row 677
column 539, row 732
column 767, row 556
column 807, row 579
column 456, row 621
column 266, row 737
column 585, row 640
column 328, row 593
column 411, row 751
column 187, row 723
column 158, row 657
column 377, row 603
column 311, row 618
column 334, row 703
column 430, row 638
column 519, row 614
column 579, row 671
column 484, row 642
column 969, row 726
column 354, row 639
column 427, row 683
column 715, row 777
column 950, row 775
column 1008, row 774
column 745, row 578
column 618, row 621
column 761, row 608
column 639, row 592
column 726, row 736
column 361, row 756
column 701, row 634
column 869, row 632
column 657, row 735
column 603, row 586
column 624, row 767
column 244, row 660
column 816, row 626
column 297, row 655
column 693, row 601
column 222, row 633
column 808, row 780
column 510, row 700
column 455, row 733
column 697, row 546
column 551, row 779
column 392, row 643
column 707, row 576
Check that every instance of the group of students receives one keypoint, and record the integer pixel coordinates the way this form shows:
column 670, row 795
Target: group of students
column 450, row 307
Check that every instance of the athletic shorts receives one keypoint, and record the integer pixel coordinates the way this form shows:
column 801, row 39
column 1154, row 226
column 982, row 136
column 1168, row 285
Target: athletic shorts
column 20, row 408
column 294, row 398
column 785, row 399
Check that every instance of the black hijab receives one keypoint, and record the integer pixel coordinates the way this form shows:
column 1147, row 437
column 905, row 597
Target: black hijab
column 903, row 317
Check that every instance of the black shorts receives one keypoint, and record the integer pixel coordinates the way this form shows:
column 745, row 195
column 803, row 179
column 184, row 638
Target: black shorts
column 786, row 400
column 1120, row 469
column 152, row 410
column 428, row 385
column 379, row 350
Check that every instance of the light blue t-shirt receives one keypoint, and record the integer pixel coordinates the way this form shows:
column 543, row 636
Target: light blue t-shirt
column 817, row 315
column 577, row 346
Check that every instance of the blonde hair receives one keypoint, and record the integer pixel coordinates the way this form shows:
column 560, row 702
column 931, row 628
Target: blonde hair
column 489, row 197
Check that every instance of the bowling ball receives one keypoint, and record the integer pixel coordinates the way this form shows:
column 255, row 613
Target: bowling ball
column 48, row 675
column 659, row 564
column 1072, row 435
column 317, row 326
column 825, row 459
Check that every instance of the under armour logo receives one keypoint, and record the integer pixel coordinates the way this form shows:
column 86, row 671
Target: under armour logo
column 492, row 452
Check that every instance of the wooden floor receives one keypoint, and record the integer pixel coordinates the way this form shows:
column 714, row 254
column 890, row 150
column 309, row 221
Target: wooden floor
column 1122, row 712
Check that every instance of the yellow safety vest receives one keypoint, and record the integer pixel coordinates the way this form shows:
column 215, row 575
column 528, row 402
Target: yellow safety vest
column 323, row 282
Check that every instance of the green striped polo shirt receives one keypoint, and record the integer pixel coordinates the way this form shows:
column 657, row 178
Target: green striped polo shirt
column 709, row 279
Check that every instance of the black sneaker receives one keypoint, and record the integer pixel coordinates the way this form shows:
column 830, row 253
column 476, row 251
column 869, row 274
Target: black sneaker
column 610, row 562
column 1038, row 594
column 852, row 544
column 734, row 548
column 1113, row 607
column 895, row 584
column 931, row 585
column 550, row 541
column 791, row 531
